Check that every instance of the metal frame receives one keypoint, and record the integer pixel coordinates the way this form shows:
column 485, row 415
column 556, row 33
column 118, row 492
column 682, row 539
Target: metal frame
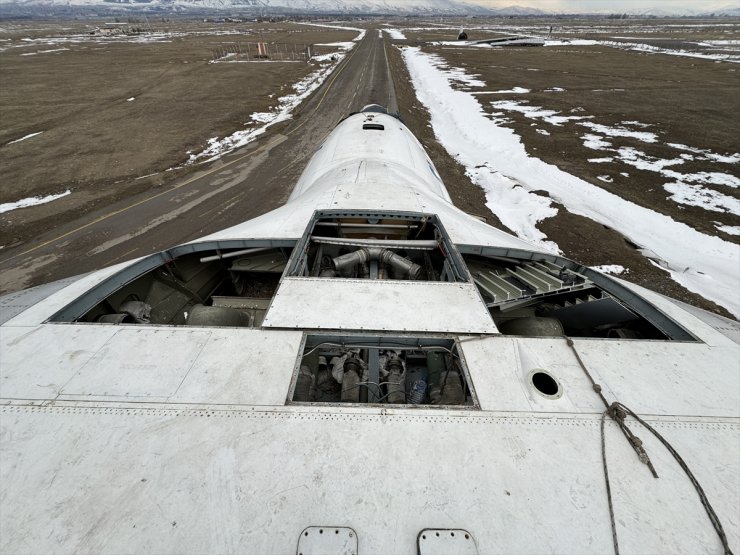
column 107, row 287
column 384, row 341
column 455, row 266
column 624, row 295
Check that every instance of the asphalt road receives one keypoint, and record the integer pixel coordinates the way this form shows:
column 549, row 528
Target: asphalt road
column 238, row 187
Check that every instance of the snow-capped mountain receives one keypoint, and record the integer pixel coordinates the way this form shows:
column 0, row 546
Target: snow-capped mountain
column 401, row 7
column 349, row 7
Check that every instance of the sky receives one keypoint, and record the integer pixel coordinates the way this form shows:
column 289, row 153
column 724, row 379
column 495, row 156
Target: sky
column 611, row 5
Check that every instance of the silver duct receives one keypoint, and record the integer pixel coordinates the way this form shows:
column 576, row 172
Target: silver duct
column 403, row 266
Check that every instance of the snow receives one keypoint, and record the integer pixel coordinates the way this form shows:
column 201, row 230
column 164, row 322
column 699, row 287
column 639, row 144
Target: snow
column 614, row 269
column 514, row 90
column 44, row 51
column 535, row 112
column 496, row 160
column 542, row 131
column 685, row 189
column 643, row 136
column 24, row 138
column 572, row 42
column 358, row 38
column 555, row 89
column 673, row 52
column 641, row 161
column 729, row 229
column 708, row 199
column 31, row 201
column 515, row 206
column 395, row 34
column 595, row 142
column 343, row 45
column 637, row 123
column 647, row 48
column 286, row 104
column 710, row 178
column 708, row 154
column 459, row 76
column 262, row 117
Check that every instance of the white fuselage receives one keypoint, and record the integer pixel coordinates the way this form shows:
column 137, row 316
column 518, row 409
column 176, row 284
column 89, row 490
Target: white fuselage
column 179, row 439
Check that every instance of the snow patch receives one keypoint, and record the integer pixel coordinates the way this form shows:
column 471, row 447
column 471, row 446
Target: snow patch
column 637, row 124
column 359, row 37
column 708, row 154
column 535, row 112
column 595, row 142
column 708, row 199
column 514, row 90
column 24, row 138
column 729, row 229
column 641, row 161
column 647, row 48
column 31, row 201
column 395, row 34
column 44, row 51
column 643, row 136
column 706, row 178
column 613, row 269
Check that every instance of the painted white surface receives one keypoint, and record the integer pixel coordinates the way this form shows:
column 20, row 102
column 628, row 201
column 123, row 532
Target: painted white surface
column 139, row 362
column 242, row 367
column 177, row 440
column 36, row 362
column 95, row 362
column 174, row 480
column 650, row 377
column 354, row 170
column 354, row 304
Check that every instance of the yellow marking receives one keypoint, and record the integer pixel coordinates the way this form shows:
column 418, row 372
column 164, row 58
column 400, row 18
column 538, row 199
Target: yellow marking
column 124, row 254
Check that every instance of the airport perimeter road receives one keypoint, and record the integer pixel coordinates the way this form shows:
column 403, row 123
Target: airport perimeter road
column 236, row 188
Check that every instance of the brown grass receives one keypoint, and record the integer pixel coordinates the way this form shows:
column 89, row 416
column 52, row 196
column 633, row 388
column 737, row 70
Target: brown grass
column 93, row 139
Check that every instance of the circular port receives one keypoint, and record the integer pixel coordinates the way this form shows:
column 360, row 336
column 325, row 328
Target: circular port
column 545, row 384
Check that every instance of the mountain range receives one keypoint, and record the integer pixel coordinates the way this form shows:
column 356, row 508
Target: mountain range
column 348, row 7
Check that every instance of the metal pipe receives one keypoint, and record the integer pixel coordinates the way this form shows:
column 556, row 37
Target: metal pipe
column 233, row 254
column 402, row 265
column 427, row 245
column 394, row 226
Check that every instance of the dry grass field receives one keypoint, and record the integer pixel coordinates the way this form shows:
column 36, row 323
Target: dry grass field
column 113, row 110
column 682, row 100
